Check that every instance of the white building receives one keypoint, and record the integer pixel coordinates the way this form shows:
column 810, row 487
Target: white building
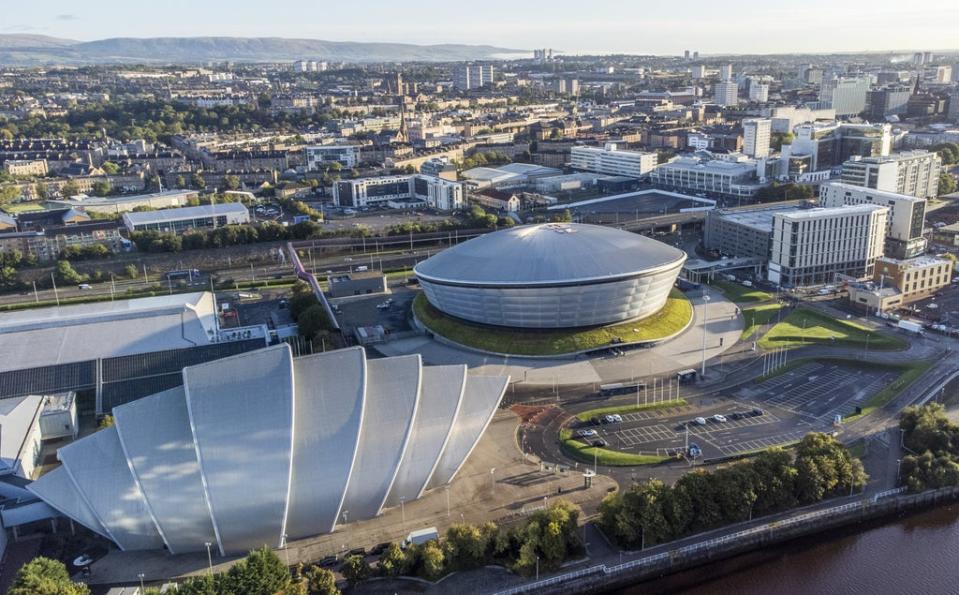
column 813, row 246
column 472, row 76
column 915, row 173
column 182, row 219
column 758, row 92
column 845, row 95
column 726, row 93
column 611, row 160
column 320, row 155
column 821, row 146
column 726, row 72
column 757, row 135
column 904, row 224
column 699, row 72
column 431, row 191
column 731, row 178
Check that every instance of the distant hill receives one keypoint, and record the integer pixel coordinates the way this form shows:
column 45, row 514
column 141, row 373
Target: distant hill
column 41, row 50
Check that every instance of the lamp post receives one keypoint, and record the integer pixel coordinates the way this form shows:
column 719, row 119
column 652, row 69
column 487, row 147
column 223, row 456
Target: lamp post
column 705, row 304
column 447, row 501
column 898, row 470
column 209, row 556
column 403, row 508
column 143, row 589
column 286, row 552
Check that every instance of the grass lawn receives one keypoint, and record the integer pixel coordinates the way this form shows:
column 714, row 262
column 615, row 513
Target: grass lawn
column 21, row 207
column 808, row 327
column 584, row 416
column 603, row 456
column 673, row 318
column 757, row 316
column 740, row 293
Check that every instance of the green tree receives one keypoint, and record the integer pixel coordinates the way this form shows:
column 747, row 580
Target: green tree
column 320, row 581
column 131, row 271
column 465, row 546
column 432, row 561
column 180, row 182
column 9, row 194
column 43, row 576
column 260, row 573
column 232, row 182
column 110, row 168
column 106, row 421
column 355, row 569
column 312, row 322
column 197, row 180
column 69, row 189
column 393, row 562
column 947, row 183
column 101, row 188
column 65, row 273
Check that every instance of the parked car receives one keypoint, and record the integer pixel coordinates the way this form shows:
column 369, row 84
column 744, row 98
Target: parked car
column 700, row 421
column 379, row 548
column 600, row 443
column 328, row 562
column 586, row 433
column 757, row 412
column 719, row 418
column 737, row 415
column 595, row 420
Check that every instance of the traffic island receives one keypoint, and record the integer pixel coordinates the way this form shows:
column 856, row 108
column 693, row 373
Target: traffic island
column 673, row 319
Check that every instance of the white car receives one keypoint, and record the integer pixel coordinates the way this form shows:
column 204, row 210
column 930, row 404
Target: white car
column 586, row 433
column 700, row 421
column 719, row 418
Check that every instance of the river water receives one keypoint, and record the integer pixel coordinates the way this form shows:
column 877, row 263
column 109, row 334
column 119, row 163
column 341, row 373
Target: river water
column 917, row 554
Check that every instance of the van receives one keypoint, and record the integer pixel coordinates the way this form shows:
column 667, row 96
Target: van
column 420, row 536
column 747, row 283
column 84, row 286
column 362, row 269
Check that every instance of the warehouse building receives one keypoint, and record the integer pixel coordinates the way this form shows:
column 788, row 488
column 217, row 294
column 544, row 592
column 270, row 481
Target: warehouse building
column 187, row 218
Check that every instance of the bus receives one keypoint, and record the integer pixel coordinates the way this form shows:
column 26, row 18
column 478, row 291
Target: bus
column 620, row 388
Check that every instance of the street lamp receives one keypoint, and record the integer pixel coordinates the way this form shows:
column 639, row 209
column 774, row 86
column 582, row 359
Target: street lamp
column 447, row 501
column 705, row 304
column 209, row 556
column 143, row 589
column 492, row 478
column 898, row 470
column 403, row 508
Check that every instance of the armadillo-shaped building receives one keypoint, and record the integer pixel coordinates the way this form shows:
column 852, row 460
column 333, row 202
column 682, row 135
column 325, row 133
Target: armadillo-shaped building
column 261, row 448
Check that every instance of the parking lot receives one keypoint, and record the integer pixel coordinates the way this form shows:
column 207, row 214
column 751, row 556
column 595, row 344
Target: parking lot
column 356, row 311
column 793, row 404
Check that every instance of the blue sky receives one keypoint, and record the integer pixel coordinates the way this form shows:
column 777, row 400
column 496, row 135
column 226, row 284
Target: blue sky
column 637, row 26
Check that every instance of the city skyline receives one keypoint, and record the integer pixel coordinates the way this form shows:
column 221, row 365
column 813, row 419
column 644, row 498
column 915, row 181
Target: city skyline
column 608, row 28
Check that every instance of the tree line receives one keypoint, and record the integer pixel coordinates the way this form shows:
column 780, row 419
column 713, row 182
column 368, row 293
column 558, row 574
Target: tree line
column 933, row 442
column 775, row 480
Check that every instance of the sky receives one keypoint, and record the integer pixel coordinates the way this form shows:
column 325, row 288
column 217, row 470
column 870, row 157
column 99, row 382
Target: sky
column 574, row 27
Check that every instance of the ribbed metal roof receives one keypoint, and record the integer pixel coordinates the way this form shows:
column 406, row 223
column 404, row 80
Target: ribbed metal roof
column 548, row 253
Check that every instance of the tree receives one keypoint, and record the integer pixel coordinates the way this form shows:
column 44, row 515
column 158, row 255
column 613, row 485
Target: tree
column 180, row 182
column 197, row 181
column 65, row 273
column 312, row 322
column 260, row 573
column 947, row 183
column 355, row 569
column 320, row 581
column 106, row 421
column 69, row 189
column 110, row 168
column 232, row 182
column 432, row 561
column 393, row 562
column 10, row 194
column 465, row 546
column 101, row 188
column 43, row 576
column 131, row 271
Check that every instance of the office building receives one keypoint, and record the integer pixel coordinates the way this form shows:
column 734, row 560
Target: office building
column 915, row 173
column 400, row 191
column 186, row 218
column 699, row 72
column 320, row 156
column 820, row 146
column 611, row 160
column 904, row 223
column 757, row 135
column 816, row 246
column 726, row 93
column 472, row 76
column 743, row 232
column 897, row 283
column 845, row 95
column 889, row 101
column 726, row 72
column 688, row 174
column 787, row 117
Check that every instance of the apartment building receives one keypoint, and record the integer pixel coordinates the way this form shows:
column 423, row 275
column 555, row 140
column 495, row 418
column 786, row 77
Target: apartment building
column 757, row 135
column 611, row 160
column 904, row 224
column 845, row 95
column 726, row 93
column 434, row 192
column 815, row 246
column 319, row 156
column 745, row 231
column 472, row 76
column 915, row 173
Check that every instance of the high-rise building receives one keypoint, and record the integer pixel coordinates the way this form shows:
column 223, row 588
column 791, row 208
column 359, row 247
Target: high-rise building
column 612, row 160
column 889, row 101
column 914, row 173
column 472, row 76
column 686, row 55
column 699, row 72
column 845, row 95
column 822, row 146
column 726, row 93
column 726, row 72
column 758, row 92
column 905, row 220
column 757, row 135
column 814, row 246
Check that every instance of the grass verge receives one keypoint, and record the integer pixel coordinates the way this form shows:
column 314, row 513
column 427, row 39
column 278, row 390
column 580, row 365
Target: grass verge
column 740, row 293
column 808, row 327
column 673, row 318
column 758, row 316
column 584, row 416
column 603, row 456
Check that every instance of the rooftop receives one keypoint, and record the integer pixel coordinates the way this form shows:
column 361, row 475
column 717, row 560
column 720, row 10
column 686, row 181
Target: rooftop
column 830, row 211
column 167, row 215
column 758, row 219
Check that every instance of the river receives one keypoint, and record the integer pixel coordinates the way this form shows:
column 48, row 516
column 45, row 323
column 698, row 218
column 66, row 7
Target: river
column 916, row 554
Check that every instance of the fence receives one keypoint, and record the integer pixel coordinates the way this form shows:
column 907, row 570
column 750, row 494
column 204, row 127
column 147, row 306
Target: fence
column 733, row 542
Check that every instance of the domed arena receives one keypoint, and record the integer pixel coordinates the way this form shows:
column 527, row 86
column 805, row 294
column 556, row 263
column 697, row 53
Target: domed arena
column 552, row 275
